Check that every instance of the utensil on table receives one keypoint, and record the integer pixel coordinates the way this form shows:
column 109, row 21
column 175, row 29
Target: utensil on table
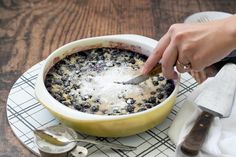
column 141, row 78
column 67, row 136
column 47, row 149
column 215, row 100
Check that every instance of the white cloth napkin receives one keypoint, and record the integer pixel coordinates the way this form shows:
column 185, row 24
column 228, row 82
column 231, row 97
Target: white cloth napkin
column 221, row 138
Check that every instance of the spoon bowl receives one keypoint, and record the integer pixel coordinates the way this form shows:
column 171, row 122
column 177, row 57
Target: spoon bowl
column 61, row 135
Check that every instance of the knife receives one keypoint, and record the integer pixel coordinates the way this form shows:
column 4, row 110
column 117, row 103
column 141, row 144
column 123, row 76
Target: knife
column 141, row 78
column 215, row 100
column 157, row 69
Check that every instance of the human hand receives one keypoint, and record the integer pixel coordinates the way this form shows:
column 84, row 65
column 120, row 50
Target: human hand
column 201, row 76
column 211, row 71
column 197, row 45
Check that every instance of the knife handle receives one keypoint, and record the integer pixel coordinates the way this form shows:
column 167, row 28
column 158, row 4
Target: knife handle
column 156, row 70
column 194, row 140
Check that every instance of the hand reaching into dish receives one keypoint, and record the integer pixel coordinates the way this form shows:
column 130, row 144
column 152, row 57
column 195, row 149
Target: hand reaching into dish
column 193, row 47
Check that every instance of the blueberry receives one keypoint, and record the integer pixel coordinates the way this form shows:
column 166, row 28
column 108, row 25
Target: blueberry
column 67, row 103
column 139, row 104
column 137, row 55
column 116, row 111
column 132, row 61
column 59, row 97
column 73, row 102
column 142, row 109
column 71, row 66
column 169, row 87
column 145, row 100
column 118, row 63
column 169, row 81
column 82, row 55
column 130, row 54
column 160, row 78
column 157, row 103
column 49, row 75
column 143, row 58
column 155, row 83
column 80, row 60
column 94, row 108
column 130, row 101
column 63, row 61
column 97, row 101
column 152, row 99
column 64, row 78
column 153, row 93
column 75, row 86
column 49, row 89
column 148, row 105
column 86, row 97
column 78, row 107
column 130, row 108
column 67, row 90
column 159, row 90
column 160, row 96
column 49, row 80
column 100, row 57
column 115, row 52
column 86, row 105
column 48, row 84
column 169, row 90
column 60, row 72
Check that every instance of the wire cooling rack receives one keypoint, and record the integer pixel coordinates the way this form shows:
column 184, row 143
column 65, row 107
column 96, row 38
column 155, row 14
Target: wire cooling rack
column 26, row 114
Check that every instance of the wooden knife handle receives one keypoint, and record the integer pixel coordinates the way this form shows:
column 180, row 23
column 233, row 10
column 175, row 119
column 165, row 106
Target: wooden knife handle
column 156, row 70
column 194, row 140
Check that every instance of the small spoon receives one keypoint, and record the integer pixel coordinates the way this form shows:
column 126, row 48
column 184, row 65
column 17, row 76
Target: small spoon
column 61, row 135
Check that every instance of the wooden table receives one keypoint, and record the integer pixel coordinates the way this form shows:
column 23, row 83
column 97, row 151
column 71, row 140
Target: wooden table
column 31, row 30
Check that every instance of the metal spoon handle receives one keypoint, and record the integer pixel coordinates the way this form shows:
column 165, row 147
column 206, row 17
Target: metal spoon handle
column 110, row 145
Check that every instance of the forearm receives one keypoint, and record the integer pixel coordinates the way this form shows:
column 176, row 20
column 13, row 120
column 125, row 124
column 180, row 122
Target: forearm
column 230, row 26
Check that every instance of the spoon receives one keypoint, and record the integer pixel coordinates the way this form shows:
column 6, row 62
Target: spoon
column 61, row 135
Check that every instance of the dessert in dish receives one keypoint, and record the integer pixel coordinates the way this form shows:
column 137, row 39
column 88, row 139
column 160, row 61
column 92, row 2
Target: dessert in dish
column 86, row 81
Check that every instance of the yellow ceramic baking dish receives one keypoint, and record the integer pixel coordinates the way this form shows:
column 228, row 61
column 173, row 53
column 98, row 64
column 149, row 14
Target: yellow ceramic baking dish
column 103, row 125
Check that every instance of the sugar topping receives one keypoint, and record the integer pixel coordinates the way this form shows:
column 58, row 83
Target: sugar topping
column 85, row 81
column 104, row 87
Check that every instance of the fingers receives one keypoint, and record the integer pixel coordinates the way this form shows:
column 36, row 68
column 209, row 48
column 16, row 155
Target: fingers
column 211, row 71
column 155, row 57
column 182, row 65
column 168, row 61
column 199, row 76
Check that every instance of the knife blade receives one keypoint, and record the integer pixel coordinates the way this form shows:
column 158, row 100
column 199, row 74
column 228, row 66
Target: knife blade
column 141, row 78
column 215, row 100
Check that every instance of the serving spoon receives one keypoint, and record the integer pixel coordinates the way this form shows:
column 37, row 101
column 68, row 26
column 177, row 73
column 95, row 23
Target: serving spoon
column 61, row 135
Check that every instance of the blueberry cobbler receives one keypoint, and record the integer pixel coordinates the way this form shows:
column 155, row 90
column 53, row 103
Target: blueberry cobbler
column 86, row 81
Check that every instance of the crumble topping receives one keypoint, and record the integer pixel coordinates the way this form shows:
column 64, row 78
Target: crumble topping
column 85, row 81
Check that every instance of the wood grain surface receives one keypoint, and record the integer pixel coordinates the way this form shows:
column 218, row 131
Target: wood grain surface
column 31, row 29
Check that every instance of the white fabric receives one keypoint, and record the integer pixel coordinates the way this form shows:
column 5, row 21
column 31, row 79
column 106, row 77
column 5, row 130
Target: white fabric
column 218, row 95
column 221, row 139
